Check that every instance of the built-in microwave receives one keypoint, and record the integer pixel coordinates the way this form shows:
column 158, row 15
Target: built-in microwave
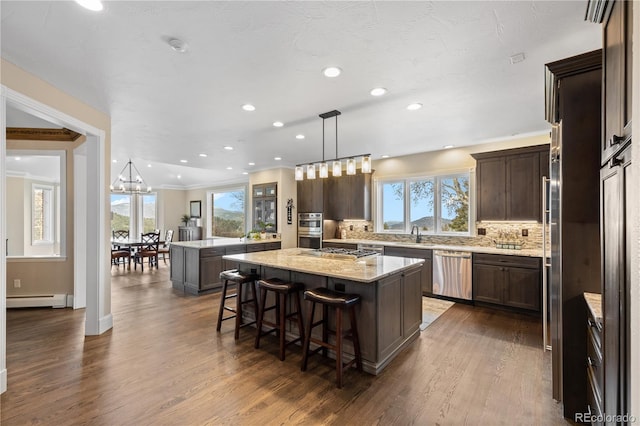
column 310, row 241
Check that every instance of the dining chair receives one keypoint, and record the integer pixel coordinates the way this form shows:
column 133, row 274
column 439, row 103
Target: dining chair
column 164, row 250
column 119, row 254
column 149, row 243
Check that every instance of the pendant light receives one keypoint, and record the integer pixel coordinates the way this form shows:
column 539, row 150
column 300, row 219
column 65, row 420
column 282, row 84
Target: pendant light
column 125, row 182
column 336, row 163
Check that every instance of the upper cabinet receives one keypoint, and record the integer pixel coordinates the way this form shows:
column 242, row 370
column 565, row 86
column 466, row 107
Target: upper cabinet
column 337, row 198
column 616, row 17
column 617, row 77
column 508, row 183
column 265, row 203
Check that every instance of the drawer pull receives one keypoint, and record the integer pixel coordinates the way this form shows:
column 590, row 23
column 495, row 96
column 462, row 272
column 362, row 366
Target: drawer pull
column 615, row 140
column 594, row 324
column 591, row 362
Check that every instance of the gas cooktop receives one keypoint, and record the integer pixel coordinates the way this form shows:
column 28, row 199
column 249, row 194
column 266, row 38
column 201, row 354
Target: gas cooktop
column 342, row 253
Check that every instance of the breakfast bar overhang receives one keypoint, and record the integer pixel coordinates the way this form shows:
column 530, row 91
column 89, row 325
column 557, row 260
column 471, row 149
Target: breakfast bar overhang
column 390, row 313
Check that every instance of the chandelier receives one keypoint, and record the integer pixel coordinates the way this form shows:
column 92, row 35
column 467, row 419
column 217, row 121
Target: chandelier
column 130, row 181
column 336, row 163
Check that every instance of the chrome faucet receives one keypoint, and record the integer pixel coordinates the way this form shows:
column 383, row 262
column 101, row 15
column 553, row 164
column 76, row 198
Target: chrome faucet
column 416, row 228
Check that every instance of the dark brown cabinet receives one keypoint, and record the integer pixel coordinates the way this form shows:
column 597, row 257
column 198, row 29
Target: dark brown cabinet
column 196, row 270
column 338, row 198
column 509, row 183
column 616, row 195
column 512, row 281
column 310, row 196
column 595, row 376
column 617, row 32
column 265, row 202
column 348, row 246
column 426, row 273
column 348, row 197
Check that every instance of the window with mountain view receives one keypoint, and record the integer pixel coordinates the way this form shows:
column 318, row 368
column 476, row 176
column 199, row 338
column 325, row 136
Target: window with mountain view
column 136, row 213
column 227, row 212
column 436, row 204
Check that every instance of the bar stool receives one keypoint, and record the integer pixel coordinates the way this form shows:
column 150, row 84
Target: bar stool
column 283, row 290
column 340, row 301
column 240, row 279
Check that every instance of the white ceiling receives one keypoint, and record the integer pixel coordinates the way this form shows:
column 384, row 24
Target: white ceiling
column 453, row 57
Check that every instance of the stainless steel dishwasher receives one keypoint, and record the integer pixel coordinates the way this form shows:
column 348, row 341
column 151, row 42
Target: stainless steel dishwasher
column 452, row 274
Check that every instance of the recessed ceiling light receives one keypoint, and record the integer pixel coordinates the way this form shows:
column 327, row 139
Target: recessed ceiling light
column 229, row 168
column 414, row 107
column 378, row 91
column 115, row 161
column 299, row 136
column 331, row 72
column 179, row 176
column 18, row 158
column 203, row 155
column 385, row 156
column 149, row 165
column 252, row 163
column 245, row 173
column 248, row 107
column 178, row 45
column 518, row 57
column 184, row 161
column 94, row 5
column 277, row 158
column 448, row 146
column 278, row 124
column 228, row 148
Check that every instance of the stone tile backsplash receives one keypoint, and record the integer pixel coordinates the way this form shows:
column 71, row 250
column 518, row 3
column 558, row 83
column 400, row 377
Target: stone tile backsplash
column 495, row 233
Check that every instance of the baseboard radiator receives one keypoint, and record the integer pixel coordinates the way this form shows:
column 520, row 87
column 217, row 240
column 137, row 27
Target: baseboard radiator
column 47, row 300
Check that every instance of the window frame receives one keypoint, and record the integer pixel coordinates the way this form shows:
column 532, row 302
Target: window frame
column 208, row 216
column 136, row 211
column 437, row 207
column 49, row 215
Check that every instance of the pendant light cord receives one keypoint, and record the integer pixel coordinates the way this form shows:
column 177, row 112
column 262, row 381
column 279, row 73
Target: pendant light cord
column 336, row 136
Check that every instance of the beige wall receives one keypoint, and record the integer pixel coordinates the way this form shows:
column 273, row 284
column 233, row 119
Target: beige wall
column 42, row 276
column 446, row 160
column 172, row 204
column 57, row 277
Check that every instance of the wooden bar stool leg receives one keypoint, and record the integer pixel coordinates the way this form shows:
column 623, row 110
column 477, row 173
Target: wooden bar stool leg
column 307, row 339
column 236, row 334
column 325, row 328
column 299, row 317
column 282, row 322
column 339, row 365
column 354, row 336
column 223, row 295
column 260, row 317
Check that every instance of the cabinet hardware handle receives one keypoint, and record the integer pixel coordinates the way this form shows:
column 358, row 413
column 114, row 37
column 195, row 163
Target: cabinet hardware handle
column 615, row 140
column 590, row 362
column 615, row 162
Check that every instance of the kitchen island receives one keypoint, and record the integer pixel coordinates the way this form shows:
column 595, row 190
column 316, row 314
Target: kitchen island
column 390, row 311
column 196, row 265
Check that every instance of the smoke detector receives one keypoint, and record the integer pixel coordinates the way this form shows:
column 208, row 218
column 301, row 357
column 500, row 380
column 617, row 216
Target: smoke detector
column 178, row 45
column 517, row 58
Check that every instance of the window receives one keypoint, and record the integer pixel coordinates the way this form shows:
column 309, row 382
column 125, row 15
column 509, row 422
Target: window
column 436, row 204
column 135, row 213
column 43, row 214
column 226, row 212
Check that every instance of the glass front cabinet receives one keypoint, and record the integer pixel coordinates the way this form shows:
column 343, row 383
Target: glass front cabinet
column 265, row 202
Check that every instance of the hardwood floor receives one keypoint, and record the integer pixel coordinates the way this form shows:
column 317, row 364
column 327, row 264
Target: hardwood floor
column 163, row 363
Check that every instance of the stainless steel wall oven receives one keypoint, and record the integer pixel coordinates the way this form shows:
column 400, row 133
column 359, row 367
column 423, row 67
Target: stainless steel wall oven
column 310, row 230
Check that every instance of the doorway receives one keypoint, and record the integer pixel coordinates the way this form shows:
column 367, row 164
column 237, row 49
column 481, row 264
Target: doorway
column 91, row 276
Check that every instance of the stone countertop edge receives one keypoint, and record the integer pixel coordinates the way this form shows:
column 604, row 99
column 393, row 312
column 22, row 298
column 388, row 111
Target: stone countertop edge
column 221, row 242
column 594, row 302
column 425, row 246
column 362, row 270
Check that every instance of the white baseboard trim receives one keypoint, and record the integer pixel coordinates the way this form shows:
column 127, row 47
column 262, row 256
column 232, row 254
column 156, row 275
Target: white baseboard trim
column 48, row 300
column 3, row 380
column 106, row 323
column 69, row 300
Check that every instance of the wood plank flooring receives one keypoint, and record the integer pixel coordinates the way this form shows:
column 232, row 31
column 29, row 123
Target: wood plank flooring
column 164, row 364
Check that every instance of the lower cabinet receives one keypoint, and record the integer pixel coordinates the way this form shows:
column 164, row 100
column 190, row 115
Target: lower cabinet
column 426, row 274
column 511, row 281
column 189, row 233
column 197, row 270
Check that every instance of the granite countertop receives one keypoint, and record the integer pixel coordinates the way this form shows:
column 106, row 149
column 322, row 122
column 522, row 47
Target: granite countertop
column 594, row 302
column 427, row 246
column 221, row 242
column 301, row 260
